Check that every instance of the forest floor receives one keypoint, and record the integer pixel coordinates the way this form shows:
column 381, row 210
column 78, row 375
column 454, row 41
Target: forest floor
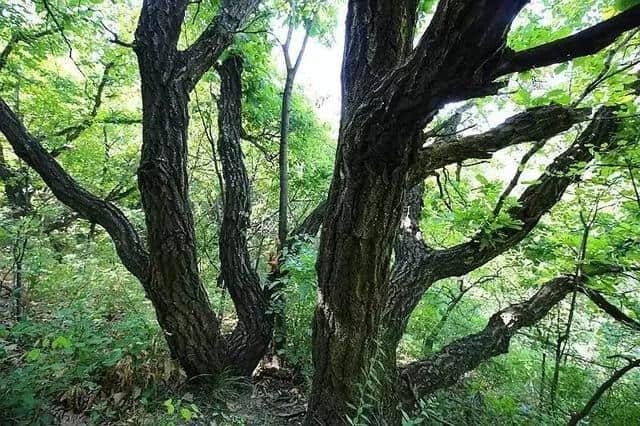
column 272, row 400
column 274, row 397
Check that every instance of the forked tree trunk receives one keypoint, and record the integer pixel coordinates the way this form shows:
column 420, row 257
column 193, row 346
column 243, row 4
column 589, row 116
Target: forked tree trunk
column 363, row 211
column 389, row 95
column 167, row 264
column 353, row 273
column 174, row 286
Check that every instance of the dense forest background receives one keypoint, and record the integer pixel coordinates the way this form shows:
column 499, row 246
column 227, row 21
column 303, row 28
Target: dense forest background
column 529, row 192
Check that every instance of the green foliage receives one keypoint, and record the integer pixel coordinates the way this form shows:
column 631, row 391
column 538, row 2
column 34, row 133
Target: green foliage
column 95, row 344
column 298, row 296
column 87, row 340
column 366, row 406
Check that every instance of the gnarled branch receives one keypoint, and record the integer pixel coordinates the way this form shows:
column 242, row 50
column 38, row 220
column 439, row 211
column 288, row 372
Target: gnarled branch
column 444, row 368
column 536, row 200
column 128, row 244
column 535, row 124
column 601, row 302
column 250, row 338
column 411, row 277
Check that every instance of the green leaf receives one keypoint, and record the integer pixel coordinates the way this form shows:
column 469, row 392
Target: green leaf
column 170, row 407
column 61, row 342
column 483, row 180
column 622, row 5
column 560, row 68
column 522, row 97
column 186, row 414
column 33, row 355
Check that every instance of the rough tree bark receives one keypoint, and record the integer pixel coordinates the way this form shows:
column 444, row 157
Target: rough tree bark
column 173, row 284
column 417, row 267
column 353, row 258
column 421, row 378
column 250, row 339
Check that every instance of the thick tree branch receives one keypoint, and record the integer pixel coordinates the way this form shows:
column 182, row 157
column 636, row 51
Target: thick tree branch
column 413, row 275
column 536, row 200
column 535, row 124
column 379, row 36
column 443, row 67
column 583, row 43
column 311, row 224
column 601, row 302
column 67, row 219
column 128, row 244
column 250, row 338
column 206, row 50
column 444, row 368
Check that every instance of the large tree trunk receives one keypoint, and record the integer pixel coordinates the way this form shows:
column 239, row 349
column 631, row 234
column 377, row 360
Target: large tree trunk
column 353, row 273
column 174, row 286
column 390, row 93
column 168, row 269
column 362, row 215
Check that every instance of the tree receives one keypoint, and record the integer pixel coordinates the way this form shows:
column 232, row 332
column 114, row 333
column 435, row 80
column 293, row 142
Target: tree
column 167, row 264
column 391, row 90
column 292, row 66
